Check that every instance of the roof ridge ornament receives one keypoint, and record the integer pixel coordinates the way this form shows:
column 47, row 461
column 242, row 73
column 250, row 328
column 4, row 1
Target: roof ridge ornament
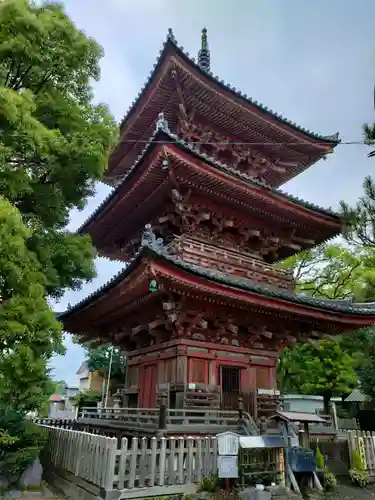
column 204, row 53
column 150, row 240
column 162, row 124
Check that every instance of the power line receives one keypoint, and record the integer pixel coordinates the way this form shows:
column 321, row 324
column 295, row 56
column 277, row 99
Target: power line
column 234, row 143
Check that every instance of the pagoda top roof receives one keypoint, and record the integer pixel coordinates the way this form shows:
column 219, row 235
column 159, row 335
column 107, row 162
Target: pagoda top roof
column 163, row 134
column 154, row 247
column 187, row 92
column 171, row 43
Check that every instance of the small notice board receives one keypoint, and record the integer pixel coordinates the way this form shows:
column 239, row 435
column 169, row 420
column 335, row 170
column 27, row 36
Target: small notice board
column 227, row 461
column 227, row 466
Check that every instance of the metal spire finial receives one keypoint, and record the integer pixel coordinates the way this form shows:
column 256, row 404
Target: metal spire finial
column 204, row 53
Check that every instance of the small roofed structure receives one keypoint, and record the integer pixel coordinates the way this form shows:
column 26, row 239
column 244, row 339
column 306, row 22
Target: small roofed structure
column 356, row 396
column 291, row 418
column 56, row 398
column 298, row 417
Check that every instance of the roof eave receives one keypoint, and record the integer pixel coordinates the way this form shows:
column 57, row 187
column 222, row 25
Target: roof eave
column 171, row 44
column 160, row 254
column 100, row 210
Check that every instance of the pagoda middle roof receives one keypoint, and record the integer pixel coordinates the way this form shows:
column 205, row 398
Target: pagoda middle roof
column 154, row 249
column 172, row 50
column 163, row 135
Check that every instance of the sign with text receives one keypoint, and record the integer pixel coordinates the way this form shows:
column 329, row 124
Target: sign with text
column 227, row 466
column 227, row 443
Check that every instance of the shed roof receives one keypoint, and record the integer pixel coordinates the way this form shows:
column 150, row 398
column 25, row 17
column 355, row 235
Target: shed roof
column 296, row 416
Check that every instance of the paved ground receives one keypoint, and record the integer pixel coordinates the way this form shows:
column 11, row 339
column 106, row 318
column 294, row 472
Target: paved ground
column 347, row 492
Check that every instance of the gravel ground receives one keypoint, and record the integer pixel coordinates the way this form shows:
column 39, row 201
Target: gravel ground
column 47, row 494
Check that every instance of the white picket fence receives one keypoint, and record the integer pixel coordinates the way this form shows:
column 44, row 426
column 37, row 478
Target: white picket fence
column 137, row 463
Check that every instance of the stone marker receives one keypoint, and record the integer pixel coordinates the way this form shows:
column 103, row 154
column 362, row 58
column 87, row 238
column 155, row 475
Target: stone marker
column 32, row 476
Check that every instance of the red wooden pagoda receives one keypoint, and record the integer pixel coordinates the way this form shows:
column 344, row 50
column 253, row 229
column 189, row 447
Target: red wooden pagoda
column 198, row 220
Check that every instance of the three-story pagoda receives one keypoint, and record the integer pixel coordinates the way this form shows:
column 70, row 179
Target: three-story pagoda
column 198, row 220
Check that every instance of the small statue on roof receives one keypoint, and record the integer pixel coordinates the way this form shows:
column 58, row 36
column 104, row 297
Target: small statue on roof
column 161, row 123
column 150, row 240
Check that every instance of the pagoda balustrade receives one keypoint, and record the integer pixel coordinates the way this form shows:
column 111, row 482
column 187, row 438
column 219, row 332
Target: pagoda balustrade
column 256, row 406
column 232, row 262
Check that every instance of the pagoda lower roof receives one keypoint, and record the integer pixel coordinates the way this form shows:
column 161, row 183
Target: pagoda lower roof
column 129, row 196
column 216, row 99
column 129, row 289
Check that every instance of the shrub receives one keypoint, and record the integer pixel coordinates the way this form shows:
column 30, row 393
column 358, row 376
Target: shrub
column 319, row 459
column 330, row 481
column 209, row 484
column 90, row 397
column 359, row 477
column 358, row 462
column 21, row 441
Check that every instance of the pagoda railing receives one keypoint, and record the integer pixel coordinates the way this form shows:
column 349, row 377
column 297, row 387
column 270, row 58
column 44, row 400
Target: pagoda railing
column 161, row 418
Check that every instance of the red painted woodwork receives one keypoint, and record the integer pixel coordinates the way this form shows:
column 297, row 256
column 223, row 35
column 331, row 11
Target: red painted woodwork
column 148, row 385
column 235, row 117
column 218, row 310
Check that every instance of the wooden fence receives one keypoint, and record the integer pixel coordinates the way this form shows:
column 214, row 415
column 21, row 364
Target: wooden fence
column 364, row 443
column 137, row 463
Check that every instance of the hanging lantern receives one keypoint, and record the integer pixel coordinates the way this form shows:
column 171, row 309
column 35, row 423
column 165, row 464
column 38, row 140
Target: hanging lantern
column 165, row 165
column 153, row 287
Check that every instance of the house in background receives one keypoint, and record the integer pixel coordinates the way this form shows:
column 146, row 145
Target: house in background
column 306, row 403
column 89, row 379
column 62, row 405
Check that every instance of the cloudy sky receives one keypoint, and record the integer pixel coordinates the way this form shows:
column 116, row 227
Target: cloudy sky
column 314, row 62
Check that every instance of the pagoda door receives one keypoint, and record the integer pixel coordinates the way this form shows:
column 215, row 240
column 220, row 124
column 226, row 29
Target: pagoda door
column 148, row 386
column 230, row 386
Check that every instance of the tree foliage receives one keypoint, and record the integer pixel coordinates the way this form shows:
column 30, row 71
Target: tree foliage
column 328, row 367
column 29, row 332
column 98, row 358
column 321, row 368
column 360, row 219
column 54, row 145
column 334, row 272
column 20, row 440
column 367, row 369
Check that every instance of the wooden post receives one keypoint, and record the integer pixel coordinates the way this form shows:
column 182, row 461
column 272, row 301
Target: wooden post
column 240, row 408
column 163, row 412
column 334, row 417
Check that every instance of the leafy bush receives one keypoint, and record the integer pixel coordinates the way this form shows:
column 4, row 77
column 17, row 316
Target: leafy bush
column 358, row 473
column 359, row 477
column 5, row 439
column 330, row 481
column 209, row 484
column 358, row 462
column 87, row 398
column 21, row 441
column 319, row 459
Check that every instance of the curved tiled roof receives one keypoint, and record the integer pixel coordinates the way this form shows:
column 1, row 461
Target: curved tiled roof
column 160, row 252
column 163, row 132
column 171, row 40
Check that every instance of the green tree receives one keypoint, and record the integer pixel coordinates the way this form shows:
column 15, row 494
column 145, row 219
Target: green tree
column 334, row 272
column 98, row 358
column 29, row 332
column 360, row 218
column 328, row 367
column 54, row 144
column 367, row 370
column 321, row 368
